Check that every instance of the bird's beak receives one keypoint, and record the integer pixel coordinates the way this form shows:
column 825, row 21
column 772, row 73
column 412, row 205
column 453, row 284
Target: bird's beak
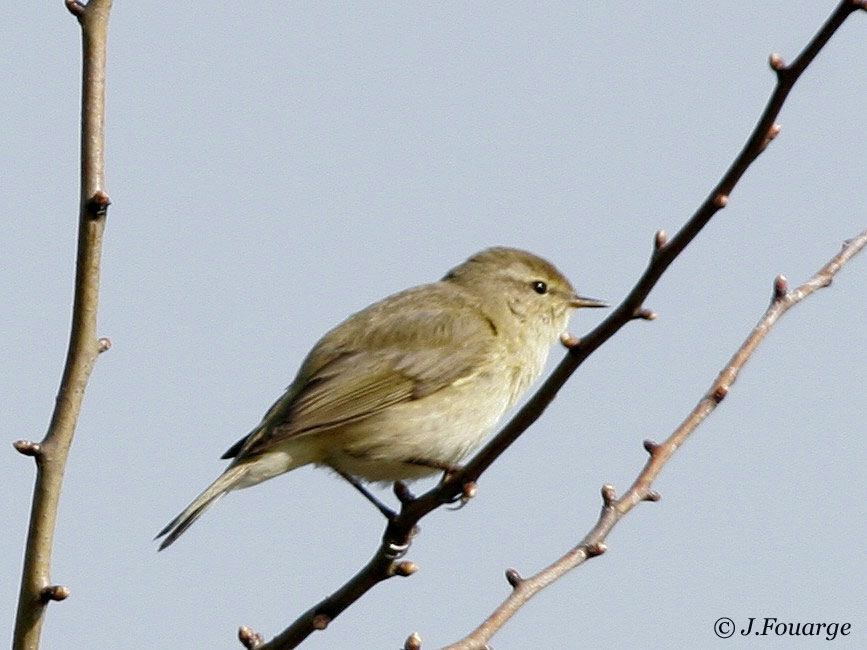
column 581, row 301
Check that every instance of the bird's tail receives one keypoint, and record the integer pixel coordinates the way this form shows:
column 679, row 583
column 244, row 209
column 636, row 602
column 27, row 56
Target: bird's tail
column 227, row 481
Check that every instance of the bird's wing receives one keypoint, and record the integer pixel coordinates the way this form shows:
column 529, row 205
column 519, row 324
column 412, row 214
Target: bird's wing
column 404, row 354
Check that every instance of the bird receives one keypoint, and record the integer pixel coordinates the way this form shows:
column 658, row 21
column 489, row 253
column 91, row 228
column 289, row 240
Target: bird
column 412, row 384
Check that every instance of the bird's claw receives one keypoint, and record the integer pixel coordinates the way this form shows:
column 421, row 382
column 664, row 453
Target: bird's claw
column 467, row 492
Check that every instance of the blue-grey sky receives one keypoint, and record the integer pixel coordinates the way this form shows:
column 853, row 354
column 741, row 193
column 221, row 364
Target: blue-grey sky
column 275, row 166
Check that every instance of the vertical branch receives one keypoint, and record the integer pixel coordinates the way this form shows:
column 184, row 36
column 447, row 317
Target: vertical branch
column 50, row 454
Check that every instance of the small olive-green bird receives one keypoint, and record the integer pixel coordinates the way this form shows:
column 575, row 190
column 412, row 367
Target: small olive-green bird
column 412, row 384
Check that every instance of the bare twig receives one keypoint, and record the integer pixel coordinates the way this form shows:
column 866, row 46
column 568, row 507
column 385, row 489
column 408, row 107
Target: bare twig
column 51, row 452
column 613, row 509
column 398, row 533
column 664, row 253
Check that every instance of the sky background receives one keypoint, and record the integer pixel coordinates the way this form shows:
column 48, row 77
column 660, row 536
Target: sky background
column 276, row 166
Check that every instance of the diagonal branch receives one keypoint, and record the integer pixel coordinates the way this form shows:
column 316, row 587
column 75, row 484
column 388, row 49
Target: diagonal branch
column 51, row 453
column 614, row 509
column 665, row 251
column 398, row 533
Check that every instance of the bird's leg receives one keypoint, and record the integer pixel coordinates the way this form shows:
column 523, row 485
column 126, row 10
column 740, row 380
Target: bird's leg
column 468, row 490
column 446, row 468
column 387, row 512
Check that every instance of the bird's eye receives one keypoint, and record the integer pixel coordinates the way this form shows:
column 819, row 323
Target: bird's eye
column 540, row 287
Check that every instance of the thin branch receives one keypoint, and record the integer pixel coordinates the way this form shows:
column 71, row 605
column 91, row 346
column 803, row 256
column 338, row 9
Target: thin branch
column 397, row 536
column 613, row 509
column 51, row 453
column 664, row 252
